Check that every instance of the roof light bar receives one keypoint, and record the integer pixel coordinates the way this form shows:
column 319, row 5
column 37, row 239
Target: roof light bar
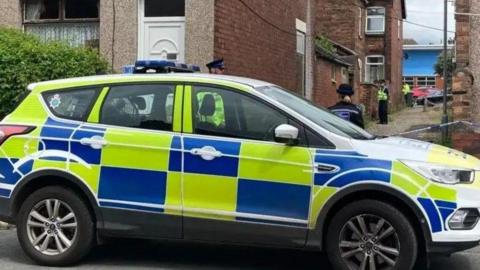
column 160, row 66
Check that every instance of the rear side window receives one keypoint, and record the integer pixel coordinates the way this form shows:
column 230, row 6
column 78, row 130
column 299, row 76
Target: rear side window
column 139, row 106
column 71, row 104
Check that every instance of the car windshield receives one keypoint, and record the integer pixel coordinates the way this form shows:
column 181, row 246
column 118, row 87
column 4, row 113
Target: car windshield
column 316, row 114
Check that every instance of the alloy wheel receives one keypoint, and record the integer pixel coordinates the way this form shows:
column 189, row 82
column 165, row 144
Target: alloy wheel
column 369, row 242
column 51, row 227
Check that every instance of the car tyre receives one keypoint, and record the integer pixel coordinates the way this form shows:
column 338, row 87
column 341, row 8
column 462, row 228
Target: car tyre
column 371, row 232
column 67, row 223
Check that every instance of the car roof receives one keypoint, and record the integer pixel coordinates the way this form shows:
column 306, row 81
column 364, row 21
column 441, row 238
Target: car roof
column 126, row 78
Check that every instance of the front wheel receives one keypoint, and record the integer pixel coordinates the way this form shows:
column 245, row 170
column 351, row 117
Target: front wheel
column 55, row 227
column 371, row 235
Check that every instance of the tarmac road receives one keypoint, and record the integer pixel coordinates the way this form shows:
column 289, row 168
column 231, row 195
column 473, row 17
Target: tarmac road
column 133, row 254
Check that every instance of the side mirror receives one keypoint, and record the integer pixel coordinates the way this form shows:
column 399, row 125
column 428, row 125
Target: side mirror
column 286, row 134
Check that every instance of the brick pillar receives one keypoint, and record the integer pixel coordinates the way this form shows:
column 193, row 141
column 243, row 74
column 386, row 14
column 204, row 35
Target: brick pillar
column 462, row 89
column 368, row 98
column 464, row 138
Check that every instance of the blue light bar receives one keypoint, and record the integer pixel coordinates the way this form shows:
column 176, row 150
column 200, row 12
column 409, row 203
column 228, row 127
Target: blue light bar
column 163, row 66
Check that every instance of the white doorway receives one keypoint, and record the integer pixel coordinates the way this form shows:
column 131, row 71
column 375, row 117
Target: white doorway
column 161, row 30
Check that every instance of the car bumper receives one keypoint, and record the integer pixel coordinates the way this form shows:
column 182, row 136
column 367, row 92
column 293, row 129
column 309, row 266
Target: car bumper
column 447, row 248
column 457, row 240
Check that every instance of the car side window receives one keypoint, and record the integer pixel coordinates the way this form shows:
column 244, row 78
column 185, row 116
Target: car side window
column 71, row 104
column 139, row 106
column 227, row 113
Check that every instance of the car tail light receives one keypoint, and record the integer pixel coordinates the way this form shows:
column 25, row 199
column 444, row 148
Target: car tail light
column 6, row 131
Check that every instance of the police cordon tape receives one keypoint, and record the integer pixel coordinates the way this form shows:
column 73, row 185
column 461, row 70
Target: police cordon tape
column 437, row 126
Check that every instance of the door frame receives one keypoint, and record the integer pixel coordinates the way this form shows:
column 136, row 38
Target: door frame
column 141, row 20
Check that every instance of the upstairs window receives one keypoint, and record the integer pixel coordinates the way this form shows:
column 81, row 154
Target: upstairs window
column 375, row 20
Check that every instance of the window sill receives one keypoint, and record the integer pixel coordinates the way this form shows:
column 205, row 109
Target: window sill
column 375, row 33
column 333, row 81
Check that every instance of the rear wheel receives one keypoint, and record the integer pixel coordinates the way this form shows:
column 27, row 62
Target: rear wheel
column 371, row 235
column 55, row 227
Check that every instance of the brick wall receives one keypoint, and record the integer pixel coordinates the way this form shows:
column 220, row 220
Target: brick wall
column 462, row 33
column 390, row 45
column 325, row 93
column 253, row 48
column 465, row 140
column 344, row 23
column 368, row 97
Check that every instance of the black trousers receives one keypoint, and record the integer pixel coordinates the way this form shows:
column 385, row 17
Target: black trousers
column 383, row 111
column 409, row 100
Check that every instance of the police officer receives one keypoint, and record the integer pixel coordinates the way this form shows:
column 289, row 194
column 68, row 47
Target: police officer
column 345, row 108
column 216, row 67
column 383, row 97
column 407, row 92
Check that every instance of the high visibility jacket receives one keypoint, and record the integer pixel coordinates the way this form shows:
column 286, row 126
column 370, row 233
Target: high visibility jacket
column 382, row 94
column 406, row 89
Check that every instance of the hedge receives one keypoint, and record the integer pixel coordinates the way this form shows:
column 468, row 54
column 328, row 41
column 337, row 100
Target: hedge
column 25, row 59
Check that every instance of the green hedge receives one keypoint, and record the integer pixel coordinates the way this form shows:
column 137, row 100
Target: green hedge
column 25, row 59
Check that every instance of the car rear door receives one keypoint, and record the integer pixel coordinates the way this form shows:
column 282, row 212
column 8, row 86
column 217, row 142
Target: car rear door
column 139, row 187
column 239, row 185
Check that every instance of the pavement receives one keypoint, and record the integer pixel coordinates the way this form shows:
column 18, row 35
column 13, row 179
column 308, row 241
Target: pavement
column 411, row 119
column 142, row 254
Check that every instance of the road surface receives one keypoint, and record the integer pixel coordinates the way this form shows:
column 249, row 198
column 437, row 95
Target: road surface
column 133, row 254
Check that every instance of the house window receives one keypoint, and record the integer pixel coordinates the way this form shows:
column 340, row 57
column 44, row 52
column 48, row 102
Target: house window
column 333, row 73
column 360, row 68
column 301, row 60
column 375, row 68
column 80, row 9
column 375, row 20
column 345, row 75
column 409, row 80
column 426, row 81
column 73, row 21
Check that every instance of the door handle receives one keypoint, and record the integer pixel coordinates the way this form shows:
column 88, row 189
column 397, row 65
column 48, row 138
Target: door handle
column 207, row 153
column 96, row 142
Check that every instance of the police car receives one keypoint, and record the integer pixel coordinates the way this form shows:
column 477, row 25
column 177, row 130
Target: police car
column 224, row 159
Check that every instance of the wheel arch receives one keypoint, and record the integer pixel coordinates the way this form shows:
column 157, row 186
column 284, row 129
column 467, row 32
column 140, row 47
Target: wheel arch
column 371, row 191
column 52, row 177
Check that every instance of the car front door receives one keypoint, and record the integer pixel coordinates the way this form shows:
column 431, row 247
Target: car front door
column 139, row 188
column 239, row 185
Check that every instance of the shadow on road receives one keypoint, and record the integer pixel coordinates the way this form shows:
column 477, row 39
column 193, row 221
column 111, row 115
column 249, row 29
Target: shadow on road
column 141, row 254
column 201, row 256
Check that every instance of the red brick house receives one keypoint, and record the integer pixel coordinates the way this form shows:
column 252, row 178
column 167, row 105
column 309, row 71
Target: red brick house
column 373, row 30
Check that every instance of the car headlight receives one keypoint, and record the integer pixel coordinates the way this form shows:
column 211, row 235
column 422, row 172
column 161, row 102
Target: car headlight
column 442, row 173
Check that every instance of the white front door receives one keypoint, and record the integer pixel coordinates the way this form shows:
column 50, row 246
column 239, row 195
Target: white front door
column 161, row 30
